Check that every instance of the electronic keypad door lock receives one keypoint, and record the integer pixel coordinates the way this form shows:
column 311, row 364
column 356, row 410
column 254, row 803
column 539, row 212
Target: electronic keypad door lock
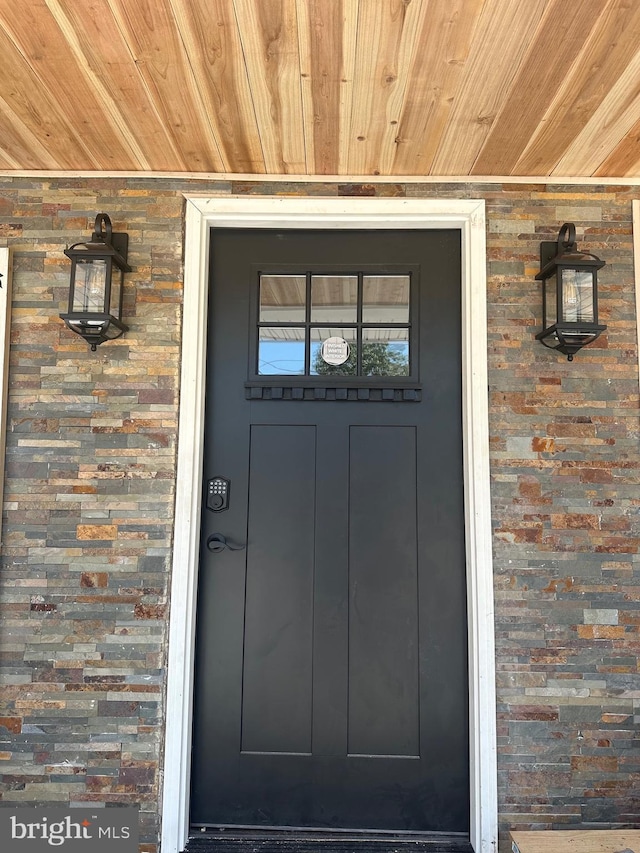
column 218, row 494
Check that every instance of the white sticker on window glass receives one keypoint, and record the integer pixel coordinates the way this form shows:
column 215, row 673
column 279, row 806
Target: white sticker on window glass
column 335, row 351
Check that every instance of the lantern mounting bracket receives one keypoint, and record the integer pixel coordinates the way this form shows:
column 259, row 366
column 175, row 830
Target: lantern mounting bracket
column 103, row 233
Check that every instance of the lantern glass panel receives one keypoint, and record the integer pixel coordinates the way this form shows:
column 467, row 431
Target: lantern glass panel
column 577, row 296
column 89, row 285
column 115, row 304
column 550, row 301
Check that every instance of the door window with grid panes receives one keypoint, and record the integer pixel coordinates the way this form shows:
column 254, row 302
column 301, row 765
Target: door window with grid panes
column 355, row 324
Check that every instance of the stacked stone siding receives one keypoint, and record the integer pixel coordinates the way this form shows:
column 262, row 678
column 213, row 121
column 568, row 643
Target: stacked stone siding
column 90, row 483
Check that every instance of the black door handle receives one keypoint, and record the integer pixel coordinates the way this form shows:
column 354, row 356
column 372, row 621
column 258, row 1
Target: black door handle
column 217, row 542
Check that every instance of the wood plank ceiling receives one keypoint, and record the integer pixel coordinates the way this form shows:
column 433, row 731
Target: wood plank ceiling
column 322, row 87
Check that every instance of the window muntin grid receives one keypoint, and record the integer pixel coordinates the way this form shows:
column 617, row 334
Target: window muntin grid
column 372, row 312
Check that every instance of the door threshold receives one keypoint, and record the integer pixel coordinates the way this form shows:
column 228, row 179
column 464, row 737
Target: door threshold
column 227, row 839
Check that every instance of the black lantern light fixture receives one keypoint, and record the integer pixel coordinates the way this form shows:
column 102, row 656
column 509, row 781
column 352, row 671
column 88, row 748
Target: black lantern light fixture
column 97, row 277
column 569, row 294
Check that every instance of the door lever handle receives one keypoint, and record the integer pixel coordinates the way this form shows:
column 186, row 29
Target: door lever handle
column 217, row 543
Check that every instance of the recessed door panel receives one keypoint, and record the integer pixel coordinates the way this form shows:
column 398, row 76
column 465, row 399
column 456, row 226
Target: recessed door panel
column 384, row 711
column 278, row 637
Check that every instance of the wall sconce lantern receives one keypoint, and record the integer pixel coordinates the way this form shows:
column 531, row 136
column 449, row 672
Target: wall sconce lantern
column 97, row 277
column 569, row 294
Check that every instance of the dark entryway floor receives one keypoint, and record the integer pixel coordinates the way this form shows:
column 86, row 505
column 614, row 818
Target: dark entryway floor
column 233, row 841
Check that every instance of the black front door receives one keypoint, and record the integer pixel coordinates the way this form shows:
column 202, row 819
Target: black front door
column 331, row 662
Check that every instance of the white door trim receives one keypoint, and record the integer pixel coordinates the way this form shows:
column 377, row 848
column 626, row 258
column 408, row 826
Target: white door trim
column 341, row 213
column 5, row 337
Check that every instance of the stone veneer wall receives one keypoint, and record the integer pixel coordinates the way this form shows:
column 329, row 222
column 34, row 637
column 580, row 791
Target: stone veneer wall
column 90, row 481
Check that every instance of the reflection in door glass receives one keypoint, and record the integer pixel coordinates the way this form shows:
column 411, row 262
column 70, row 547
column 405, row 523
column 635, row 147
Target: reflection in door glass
column 385, row 299
column 334, row 299
column 281, row 351
column 320, row 367
column 282, row 298
column 385, row 352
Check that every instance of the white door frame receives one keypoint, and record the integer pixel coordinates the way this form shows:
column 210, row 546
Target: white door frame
column 5, row 337
column 340, row 213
